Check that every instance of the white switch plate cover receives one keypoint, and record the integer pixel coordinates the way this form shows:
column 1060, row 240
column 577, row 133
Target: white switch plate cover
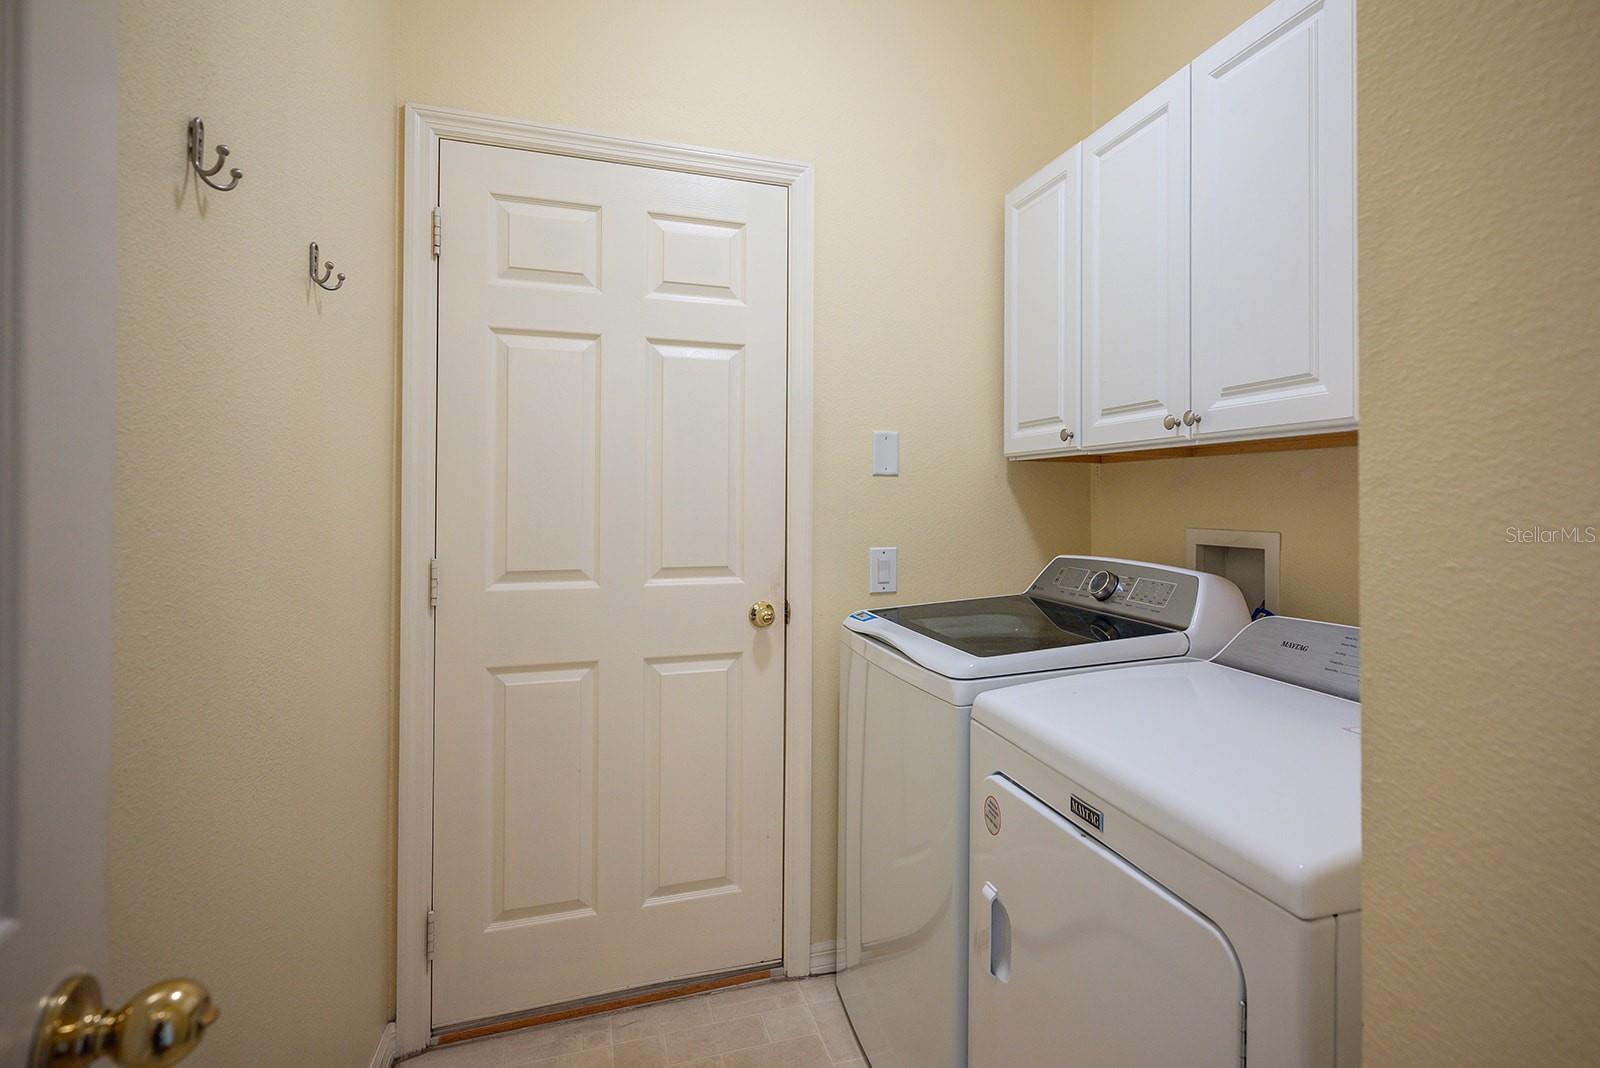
column 882, row 570
column 886, row 452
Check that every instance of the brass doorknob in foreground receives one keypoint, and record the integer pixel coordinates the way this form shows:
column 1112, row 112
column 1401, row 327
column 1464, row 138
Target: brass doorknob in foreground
column 159, row 1026
column 762, row 614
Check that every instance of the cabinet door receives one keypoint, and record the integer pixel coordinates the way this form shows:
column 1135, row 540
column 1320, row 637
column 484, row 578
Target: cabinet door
column 1274, row 222
column 1136, row 270
column 1042, row 309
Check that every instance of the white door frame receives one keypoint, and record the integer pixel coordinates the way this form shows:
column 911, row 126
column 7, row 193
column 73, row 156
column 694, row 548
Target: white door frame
column 425, row 127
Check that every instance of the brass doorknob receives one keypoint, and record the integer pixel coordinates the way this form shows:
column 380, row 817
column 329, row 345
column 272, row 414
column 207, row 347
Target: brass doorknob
column 159, row 1026
column 762, row 614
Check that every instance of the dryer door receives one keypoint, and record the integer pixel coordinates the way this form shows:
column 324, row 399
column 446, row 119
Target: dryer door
column 1078, row 958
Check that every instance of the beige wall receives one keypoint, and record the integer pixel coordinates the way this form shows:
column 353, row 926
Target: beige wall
column 1138, row 44
column 919, row 116
column 1141, row 510
column 254, row 525
column 1480, row 339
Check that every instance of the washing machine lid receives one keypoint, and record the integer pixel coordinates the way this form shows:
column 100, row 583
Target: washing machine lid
column 988, row 637
column 1258, row 777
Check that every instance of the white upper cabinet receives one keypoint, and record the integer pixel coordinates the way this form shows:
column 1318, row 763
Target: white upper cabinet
column 1136, row 272
column 1274, row 316
column 1187, row 273
column 1041, row 309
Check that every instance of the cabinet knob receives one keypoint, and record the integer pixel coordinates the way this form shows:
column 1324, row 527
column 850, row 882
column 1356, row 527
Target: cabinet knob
column 1170, row 422
column 1190, row 418
column 1066, row 435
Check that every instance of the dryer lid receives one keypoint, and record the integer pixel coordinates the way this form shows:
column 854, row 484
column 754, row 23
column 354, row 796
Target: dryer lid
column 1259, row 778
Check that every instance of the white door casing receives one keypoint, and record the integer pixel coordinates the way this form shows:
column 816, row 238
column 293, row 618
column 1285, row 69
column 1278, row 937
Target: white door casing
column 1274, row 315
column 57, row 444
column 1043, row 294
column 1136, row 270
column 611, row 463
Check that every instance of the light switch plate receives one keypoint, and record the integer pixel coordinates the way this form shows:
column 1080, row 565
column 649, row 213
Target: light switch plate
column 886, row 452
column 882, row 570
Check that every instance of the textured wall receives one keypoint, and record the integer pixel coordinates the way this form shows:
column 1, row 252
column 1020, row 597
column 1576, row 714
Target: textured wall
column 254, row 525
column 1310, row 498
column 919, row 117
column 1480, row 341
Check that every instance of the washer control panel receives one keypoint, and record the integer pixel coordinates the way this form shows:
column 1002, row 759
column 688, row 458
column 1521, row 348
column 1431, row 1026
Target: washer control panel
column 1142, row 591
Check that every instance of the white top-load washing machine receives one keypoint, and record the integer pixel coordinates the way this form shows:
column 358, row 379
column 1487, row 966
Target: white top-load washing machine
column 1166, row 861
column 908, row 677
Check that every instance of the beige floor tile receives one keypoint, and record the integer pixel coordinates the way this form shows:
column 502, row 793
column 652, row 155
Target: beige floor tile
column 788, row 992
column 646, row 1053
column 840, row 1040
column 596, row 1057
column 715, row 1038
column 727, row 1004
column 552, row 1040
column 853, row 1062
column 782, row 1024
column 658, row 1019
column 829, row 1012
column 788, row 1022
column 626, row 1027
column 805, row 1052
column 724, row 1009
column 819, row 988
column 481, row 1054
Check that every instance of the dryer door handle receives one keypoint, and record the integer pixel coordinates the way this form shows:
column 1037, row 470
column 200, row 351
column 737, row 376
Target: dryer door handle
column 999, row 935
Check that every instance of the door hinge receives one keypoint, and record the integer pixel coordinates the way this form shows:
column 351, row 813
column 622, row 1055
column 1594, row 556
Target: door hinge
column 433, row 933
column 438, row 230
column 433, row 582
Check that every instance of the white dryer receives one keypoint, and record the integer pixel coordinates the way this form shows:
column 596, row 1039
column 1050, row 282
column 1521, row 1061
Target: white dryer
column 1166, row 861
column 908, row 678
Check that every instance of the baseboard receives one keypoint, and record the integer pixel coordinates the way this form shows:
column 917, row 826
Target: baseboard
column 383, row 1056
column 824, row 961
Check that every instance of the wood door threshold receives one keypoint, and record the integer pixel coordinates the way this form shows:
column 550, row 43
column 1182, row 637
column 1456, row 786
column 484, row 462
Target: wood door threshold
column 612, row 1003
column 1338, row 439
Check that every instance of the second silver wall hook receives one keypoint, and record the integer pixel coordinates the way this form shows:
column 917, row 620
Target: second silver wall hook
column 327, row 273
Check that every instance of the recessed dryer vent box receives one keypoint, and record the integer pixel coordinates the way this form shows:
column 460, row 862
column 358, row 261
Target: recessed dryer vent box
column 1246, row 558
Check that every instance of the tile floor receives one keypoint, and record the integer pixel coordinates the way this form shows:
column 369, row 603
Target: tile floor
column 764, row 1025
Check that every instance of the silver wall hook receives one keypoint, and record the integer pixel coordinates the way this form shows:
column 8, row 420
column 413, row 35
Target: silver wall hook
column 197, row 155
column 326, row 274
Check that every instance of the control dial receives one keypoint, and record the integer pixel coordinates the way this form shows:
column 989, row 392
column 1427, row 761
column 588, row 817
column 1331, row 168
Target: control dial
column 1102, row 584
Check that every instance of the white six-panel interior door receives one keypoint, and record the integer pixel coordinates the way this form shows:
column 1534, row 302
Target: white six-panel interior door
column 608, row 790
